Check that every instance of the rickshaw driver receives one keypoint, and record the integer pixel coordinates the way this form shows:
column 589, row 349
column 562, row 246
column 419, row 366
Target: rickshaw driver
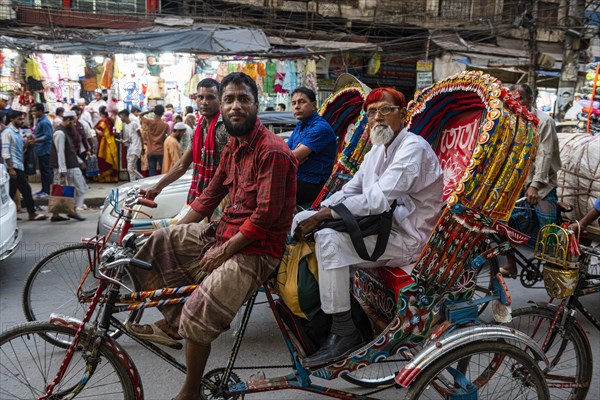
column 258, row 171
column 401, row 166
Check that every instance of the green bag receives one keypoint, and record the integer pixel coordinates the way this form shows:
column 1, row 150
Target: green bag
column 297, row 281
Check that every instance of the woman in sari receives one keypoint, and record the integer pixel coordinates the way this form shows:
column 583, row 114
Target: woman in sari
column 108, row 159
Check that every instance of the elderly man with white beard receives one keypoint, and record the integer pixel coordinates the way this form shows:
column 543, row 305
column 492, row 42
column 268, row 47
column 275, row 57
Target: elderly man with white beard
column 400, row 167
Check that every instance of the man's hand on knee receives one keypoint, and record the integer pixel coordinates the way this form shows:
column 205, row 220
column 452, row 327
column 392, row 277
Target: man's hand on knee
column 214, row 258
column 310, row 224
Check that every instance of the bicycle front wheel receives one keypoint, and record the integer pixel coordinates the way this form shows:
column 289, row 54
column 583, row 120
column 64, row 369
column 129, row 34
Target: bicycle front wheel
column 570, row 357
column 482, row 370
column 30, row 363
column 52, row 287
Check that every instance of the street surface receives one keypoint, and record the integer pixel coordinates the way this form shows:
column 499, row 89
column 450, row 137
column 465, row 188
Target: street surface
column 262, row 345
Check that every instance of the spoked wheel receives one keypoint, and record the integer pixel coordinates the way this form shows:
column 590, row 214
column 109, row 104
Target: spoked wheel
column 214, row 388
column 481, row 370
column 30, row 363
column 531, row 273
column 483, row 285
column 570, row 357
column 378, row 374
column 52, row 287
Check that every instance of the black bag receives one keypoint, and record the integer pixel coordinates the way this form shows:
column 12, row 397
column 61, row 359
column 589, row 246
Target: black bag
column 29, row 162
column 358, row 228
column 312, row 334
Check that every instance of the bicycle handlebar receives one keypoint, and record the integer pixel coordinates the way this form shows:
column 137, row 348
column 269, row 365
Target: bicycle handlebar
column 140, row 264
column 147, row 202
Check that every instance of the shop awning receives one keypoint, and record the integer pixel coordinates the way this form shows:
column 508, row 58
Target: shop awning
column 207, row 39
column 321, row 46
column 508, row 52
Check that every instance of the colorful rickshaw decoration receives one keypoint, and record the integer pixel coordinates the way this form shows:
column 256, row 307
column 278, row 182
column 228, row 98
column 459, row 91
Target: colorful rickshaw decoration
column 343, row 111
column 485, row 140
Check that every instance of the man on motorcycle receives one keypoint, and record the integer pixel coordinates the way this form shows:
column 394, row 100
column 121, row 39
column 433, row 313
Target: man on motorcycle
column 400, row 167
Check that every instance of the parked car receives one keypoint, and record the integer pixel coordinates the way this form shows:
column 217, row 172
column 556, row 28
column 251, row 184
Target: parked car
column 172, row 199
column 10, row 234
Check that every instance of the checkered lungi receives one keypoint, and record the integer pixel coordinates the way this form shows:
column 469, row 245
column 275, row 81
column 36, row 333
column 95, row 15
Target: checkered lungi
column 175, row 252
column 529, row 218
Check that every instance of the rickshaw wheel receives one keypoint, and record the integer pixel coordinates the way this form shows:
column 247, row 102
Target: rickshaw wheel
column 482, row 370
column 214, row 388
column 377, row 375
column 483, row 283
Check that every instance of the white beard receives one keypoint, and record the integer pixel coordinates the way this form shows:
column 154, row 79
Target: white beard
column 382, row 134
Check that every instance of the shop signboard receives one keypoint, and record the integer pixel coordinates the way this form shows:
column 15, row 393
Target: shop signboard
column 424, row 79
column 424, row 74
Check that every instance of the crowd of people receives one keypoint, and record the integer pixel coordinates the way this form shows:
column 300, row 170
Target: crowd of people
column 234, row 156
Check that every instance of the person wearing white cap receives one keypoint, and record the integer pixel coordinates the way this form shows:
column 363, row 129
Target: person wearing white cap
column 172, row 148
column 95, row 106
column 66, row 163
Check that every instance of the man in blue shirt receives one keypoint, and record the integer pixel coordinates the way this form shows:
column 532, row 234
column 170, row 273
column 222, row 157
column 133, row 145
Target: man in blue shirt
column 13, row 147
column 313, row 143
column 43, row 143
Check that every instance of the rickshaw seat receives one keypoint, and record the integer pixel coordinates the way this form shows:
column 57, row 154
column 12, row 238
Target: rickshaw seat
column 394, row 279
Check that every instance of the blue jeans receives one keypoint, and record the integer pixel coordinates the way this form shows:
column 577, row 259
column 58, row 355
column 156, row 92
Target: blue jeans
column 45, row 172
column 152, row 163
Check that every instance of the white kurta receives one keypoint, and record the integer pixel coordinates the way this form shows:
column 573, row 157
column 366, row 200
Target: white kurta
column 74, row 175
column 408, row 171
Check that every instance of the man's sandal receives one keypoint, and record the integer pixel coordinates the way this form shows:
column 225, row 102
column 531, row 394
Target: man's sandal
column 157, row 336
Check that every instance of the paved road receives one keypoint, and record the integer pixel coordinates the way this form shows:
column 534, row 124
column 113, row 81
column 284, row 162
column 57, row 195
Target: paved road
column 262, row 346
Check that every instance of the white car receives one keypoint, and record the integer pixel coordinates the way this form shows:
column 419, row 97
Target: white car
column 10, row 234
column 173, row 198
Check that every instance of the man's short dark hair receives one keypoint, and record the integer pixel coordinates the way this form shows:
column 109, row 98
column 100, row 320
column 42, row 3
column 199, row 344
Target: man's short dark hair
column 306, row 91
column 13, row 114
column 76, row 109
column 38, row 107
column 159, row 110
column 282, row 106
column 124, row 112
column 208, row 83
column 523, row 86
column 178, row 117
column 239, row 78
column 59, row 111
column 189, row 109
column 135, row 109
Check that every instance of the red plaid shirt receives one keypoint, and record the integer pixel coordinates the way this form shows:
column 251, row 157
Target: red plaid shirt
column 260, row 177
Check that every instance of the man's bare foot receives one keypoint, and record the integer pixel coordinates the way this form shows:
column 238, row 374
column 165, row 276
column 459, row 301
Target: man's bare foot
column 508, row 272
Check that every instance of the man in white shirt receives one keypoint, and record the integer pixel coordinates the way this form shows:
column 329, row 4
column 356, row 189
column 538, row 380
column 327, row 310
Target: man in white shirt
column 95, row 107
column 133, row 140
column 400, row 167
column 67, row 164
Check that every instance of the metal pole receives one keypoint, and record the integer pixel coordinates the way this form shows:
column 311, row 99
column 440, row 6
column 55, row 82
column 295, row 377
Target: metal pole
column 533, row 52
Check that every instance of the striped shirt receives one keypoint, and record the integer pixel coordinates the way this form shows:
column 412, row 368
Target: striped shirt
column 12, row 146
